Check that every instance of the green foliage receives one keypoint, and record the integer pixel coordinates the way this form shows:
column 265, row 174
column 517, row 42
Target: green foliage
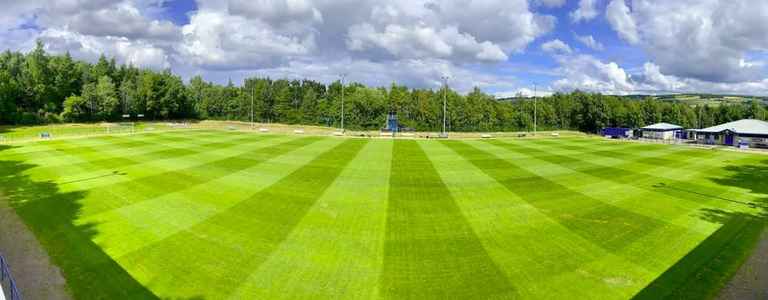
column 75, row 109
column 34, row 86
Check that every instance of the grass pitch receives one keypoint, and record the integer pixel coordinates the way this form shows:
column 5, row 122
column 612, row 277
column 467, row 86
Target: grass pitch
column 212, row 214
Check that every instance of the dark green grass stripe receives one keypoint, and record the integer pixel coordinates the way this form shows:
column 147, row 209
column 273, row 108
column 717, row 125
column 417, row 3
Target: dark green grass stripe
column 226, row 248
column 149, row 187
column 610, row 227
column 430, row 249
column 706, row 269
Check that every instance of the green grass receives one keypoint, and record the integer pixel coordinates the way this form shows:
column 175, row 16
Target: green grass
column 214, row 214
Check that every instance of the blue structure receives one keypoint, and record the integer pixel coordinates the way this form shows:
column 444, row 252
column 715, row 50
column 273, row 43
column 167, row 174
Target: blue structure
column 392, row 124
column 617, row 132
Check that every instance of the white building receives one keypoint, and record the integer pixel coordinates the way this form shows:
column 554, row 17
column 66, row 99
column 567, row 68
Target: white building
column 661, row 131
column 744, row 133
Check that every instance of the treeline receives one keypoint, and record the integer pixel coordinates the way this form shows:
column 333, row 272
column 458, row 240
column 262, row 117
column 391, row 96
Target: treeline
column 38, row 87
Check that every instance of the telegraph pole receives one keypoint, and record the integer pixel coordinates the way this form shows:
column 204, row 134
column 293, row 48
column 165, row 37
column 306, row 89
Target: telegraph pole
column 343, row 75
column 445, row 105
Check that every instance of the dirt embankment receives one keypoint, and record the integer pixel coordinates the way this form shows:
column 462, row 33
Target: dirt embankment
column 35, row 276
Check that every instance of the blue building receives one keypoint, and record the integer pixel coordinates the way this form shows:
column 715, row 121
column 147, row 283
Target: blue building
column 617, row 132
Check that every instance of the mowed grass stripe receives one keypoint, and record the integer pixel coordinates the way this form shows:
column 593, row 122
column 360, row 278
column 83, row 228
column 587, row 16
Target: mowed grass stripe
column 335, row 252
column 623, row 173
column 150, row 221
column 542, row 258
column 635, row 192
column 430, row 249
column 225, row 249
column 111, row 156
column 606, row 225
column 631, row 180
column 59, row 165
column 136, row 189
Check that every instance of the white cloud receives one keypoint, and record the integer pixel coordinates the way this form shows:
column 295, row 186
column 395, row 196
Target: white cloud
column 556, row 46
column 704, row 40
column 586, row 11
column 590, row 42
column 217, row 40
column 88, row 47
column 423, row 42
column 618, row 16
column 588, row 73
column 448, row 29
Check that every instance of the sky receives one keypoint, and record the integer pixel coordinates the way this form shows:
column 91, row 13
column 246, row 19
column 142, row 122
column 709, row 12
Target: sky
column 504, row 47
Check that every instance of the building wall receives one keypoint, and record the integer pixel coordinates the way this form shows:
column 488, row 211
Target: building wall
column 754, row 142
column 659, row 135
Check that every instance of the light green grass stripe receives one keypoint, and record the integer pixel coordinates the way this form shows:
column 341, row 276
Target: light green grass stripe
column 609, row 226
column 430, row 250
column 132, row 227
column 542, row 258
column 185, row 176
column 335, row 252
column 214, row 257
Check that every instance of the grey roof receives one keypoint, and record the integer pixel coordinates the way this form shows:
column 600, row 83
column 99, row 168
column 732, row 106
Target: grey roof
column 746, row 126
column 662, row 127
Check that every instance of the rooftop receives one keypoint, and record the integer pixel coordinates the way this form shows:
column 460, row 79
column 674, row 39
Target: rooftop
column 663, row 126
column 746, row 126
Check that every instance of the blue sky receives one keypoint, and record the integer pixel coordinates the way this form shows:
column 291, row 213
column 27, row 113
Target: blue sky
column 504, row 47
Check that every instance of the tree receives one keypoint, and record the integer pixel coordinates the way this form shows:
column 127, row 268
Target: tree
column 75, row 109
column 106, row 98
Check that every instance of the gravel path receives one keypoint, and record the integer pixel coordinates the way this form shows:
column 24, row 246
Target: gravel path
column 751, row 280
column 35, row 276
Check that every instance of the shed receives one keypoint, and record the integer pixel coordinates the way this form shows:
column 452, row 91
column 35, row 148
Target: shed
column 662, row 131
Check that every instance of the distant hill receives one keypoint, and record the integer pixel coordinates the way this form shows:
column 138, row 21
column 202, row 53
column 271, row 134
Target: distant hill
column 692, row 99
column 710, row 99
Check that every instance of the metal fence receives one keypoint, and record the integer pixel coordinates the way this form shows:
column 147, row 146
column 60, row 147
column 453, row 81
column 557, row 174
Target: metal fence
column 7, row 280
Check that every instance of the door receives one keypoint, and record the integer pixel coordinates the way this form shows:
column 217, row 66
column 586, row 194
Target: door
column 729, row 139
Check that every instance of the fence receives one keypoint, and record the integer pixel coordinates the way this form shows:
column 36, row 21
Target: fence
column 6, row 278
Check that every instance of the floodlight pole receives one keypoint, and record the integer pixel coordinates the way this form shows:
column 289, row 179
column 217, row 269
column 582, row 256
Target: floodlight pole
column 343, row 75
column 252, row 96
column 535, row 109
column 445, row 103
